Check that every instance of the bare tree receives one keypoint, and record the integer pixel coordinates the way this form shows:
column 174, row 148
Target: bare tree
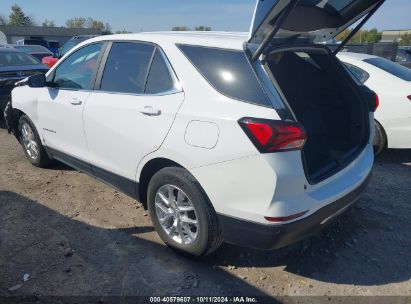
column 180, row 28
column 78, row 22
column 90, row 23
column 48, row 23
column 3, row 20
column 203, row 28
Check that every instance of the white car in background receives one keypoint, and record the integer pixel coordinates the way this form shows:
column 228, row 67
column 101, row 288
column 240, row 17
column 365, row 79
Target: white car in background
column 392, row 83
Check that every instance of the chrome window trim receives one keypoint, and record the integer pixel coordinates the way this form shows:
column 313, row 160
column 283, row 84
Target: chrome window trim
column 170, row 92
column 177, row 84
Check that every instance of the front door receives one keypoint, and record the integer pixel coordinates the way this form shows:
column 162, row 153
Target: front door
column 61, row 104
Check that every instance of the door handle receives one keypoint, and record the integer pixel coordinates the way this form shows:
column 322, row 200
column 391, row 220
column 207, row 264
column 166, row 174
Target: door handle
column 76, row 102
column 150, row 111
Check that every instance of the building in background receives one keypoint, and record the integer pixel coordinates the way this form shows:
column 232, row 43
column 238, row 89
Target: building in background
column 394, row 35
column 12, row 34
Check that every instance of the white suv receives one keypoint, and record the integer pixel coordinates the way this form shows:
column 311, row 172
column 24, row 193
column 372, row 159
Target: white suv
column 255, row 140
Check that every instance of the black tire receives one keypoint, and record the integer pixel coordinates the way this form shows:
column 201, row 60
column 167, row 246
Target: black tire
column 209, row 235
column 380, row 140
column 41, row 159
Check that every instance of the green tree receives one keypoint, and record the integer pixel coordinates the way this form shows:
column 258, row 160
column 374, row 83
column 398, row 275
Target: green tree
column 203, row 28
column 48, row 23
column 180, row 28
column 344, row 34
column 405, row 39
column 372, row 36
column 362, row 36
column 18, row 17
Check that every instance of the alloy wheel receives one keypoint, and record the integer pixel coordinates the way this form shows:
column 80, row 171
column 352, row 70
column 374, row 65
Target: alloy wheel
column 29, row 141
column 176, row 214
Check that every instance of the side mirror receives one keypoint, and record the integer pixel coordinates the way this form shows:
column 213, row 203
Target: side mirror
column 37, row 81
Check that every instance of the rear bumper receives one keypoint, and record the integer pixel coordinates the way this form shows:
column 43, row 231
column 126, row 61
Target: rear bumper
column 259, row 236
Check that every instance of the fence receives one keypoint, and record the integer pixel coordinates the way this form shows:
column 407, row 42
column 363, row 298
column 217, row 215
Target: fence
column 383, row 49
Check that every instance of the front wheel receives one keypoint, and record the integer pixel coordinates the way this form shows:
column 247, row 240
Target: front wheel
column 31, row 143
column 182, row 213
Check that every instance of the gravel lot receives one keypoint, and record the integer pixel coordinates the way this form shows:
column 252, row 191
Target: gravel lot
column 76, row 236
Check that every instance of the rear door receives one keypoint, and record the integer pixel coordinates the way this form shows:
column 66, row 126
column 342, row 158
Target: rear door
column 306, row 21
column 132, row 108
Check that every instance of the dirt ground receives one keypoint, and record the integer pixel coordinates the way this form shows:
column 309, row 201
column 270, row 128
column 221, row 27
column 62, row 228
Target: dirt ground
column 73, row 235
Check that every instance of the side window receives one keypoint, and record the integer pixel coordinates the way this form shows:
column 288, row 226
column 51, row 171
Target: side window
column 360, row 74
column 159, row 79
column 127, row 68
column 228, row 71
column 77, row 71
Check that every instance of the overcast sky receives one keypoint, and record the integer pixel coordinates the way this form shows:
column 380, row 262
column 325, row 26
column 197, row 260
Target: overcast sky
column 149, row 15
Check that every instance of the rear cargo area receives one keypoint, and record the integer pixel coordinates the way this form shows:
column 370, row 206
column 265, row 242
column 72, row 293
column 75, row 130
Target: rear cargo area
column 327, row 103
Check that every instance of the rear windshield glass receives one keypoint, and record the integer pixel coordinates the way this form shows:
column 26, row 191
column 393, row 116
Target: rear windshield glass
column 32, row 48
column 36, row 42
column 345, row 8
column 16, row 59
column 391, row 67
column 228, row 71
column 360, row 74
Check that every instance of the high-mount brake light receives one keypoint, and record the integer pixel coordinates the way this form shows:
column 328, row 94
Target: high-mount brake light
column 273, row 135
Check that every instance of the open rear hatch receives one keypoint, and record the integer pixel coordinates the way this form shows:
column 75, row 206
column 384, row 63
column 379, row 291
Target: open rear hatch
column 317, row 89
column 282, row 22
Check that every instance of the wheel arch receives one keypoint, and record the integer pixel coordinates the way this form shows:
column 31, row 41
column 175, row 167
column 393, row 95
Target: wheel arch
column 150, row 168
column 384, row 133
column 12, row 120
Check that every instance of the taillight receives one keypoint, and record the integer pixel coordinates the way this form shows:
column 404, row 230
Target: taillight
column 377, row 102
column 409, row 97
column 274, row 136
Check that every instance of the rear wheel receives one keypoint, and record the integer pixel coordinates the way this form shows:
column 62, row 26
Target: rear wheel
column 182, row 214
column 31, row 143
column 380, row 140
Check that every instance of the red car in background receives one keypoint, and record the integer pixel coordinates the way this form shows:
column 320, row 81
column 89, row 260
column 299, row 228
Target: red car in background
column 50, row 61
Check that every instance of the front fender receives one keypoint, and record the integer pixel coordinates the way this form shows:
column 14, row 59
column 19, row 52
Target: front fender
column 11, row 116
column 24, row 99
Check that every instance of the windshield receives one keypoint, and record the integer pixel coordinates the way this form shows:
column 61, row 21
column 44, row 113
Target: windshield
column 391, row 67
column 70, row 44
column 32, row 48
column 403, row 55
column 16, row 59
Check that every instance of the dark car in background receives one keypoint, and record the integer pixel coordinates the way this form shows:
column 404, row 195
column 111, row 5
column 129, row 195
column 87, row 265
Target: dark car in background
column 404, row 56
column 15, row 65
column 36, row 51
column 41, row 42
column 50, row 61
